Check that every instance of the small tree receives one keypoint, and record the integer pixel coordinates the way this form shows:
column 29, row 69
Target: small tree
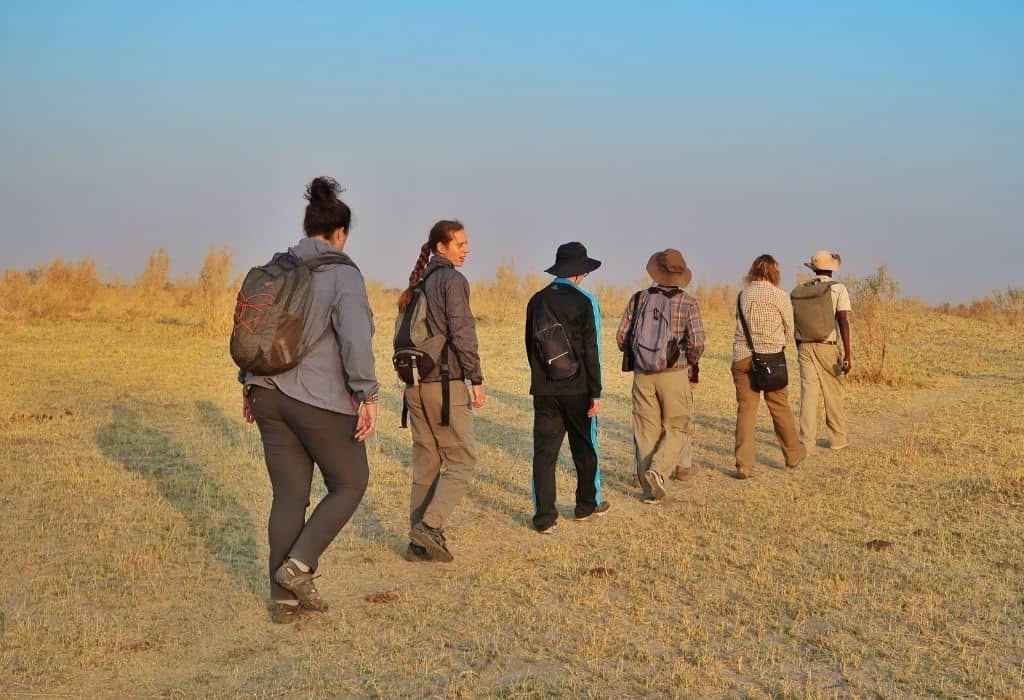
column 212, row 292
column 154, row 277
column 874, row 302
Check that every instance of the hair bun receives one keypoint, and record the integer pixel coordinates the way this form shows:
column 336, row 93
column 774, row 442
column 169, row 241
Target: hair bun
column 323, row 191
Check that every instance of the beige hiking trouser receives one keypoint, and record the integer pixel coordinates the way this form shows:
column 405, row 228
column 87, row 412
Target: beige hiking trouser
column 821, row 372
column 443, row 457
column 662, row 422
column 747, row 400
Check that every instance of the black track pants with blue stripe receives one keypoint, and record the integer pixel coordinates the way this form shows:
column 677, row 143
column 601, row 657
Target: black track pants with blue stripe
column 553, row 417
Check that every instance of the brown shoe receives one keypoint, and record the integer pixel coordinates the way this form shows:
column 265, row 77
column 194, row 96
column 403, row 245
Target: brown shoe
column 291, row 578
column 683, row 473
column 284, row 614
column 743, row 474
column 636, row 481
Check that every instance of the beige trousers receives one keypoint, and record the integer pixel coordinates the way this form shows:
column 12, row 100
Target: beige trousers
column 821, row 373
column 662, row 422
column 443, row 457
column 747, row 401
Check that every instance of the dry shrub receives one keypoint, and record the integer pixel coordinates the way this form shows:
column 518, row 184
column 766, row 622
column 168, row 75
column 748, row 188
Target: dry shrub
column 874, row 324
column 1004, row 307
column 154, row 277
column 58, row 290
column 716, row 299
column 213, row 295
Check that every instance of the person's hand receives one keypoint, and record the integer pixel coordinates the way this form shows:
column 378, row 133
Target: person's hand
column 478, row 396
column 247, row 408
column 847, row 365
column 595, row 408
column 367, row 420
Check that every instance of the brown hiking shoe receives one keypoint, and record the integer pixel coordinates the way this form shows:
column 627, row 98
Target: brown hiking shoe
column 743, row 473
column 432, row 540
column 284, row 614
column 293, row 579
column 683, row 473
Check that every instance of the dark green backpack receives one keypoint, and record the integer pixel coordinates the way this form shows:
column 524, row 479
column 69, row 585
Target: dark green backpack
column 813, row 314
column 271, row 309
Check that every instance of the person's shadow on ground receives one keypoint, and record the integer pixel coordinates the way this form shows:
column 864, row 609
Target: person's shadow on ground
column 212, row 515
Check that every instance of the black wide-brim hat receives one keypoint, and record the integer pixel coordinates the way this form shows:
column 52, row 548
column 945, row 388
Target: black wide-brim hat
column 571, row 260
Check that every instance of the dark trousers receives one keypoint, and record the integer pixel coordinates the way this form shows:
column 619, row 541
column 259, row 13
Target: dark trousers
column 295, row 435
column 553, row 416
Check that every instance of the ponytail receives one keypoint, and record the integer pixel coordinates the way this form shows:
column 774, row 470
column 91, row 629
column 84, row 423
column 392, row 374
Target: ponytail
column 414, row 277
column 442, row 232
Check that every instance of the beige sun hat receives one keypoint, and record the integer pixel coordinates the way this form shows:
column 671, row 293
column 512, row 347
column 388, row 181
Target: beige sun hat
column 824, row 260
column 667, row 267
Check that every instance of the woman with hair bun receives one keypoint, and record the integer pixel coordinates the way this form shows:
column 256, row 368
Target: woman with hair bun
column 320, row 411
column 443, row 455
column 769, row 316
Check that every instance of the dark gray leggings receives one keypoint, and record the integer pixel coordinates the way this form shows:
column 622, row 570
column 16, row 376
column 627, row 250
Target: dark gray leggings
column 295, row 435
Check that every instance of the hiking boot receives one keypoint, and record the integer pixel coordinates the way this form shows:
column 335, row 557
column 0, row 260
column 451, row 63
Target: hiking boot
column 652, row 501
column 836, row 448
column 547, row 530
column 683, row 473
column 743, row 473
column 416, row 553
column 432, row 540
column 656, row 482
column 598, row 511
column 291, row 578
column 284, row 614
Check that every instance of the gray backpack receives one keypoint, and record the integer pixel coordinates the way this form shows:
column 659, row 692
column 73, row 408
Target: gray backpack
column 653, row 346
column 813, row 314
column 268, row 336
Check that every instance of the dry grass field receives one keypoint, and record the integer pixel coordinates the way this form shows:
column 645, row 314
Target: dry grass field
column 134, row 502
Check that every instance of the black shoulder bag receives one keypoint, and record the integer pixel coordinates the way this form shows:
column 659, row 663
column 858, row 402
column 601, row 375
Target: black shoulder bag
column 769, row 368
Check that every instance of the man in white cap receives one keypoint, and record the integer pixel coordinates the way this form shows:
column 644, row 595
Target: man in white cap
column 820, row 307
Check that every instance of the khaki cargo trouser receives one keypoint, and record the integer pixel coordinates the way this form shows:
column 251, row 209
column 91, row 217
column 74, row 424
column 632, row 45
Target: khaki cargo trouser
column 662, row 422
column 747, row 401
column 821, row 372
column 443, row 457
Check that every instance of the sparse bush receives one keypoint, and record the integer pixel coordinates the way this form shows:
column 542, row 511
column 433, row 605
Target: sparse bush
column 874, row 323
column 214, row 293
column 154, row 277
column 58, row 290
column 1010, row 304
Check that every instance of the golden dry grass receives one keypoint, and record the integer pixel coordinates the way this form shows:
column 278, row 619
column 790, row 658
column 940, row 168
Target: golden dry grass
column 135, row 501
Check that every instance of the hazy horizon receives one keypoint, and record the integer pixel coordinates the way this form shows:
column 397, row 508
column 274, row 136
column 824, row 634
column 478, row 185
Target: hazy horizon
column 892, row 135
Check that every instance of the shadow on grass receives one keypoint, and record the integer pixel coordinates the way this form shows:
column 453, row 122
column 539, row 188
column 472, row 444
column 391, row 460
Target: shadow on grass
column 212, row 515
column 229, row 430
column 365, row 520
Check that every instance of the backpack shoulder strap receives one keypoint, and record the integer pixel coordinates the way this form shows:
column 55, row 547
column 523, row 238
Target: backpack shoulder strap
column 743, row 321
column 326, row 259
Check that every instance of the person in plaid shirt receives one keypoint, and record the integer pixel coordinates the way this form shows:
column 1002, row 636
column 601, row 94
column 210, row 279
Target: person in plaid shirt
column 769, row 315
column 663, row 400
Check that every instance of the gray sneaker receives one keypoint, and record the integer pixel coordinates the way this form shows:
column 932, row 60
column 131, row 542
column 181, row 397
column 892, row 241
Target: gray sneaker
column 657, row 484
column 293, row 579
column 431, row 540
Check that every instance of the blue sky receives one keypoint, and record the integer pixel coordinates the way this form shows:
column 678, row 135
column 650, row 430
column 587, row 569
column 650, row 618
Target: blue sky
column 891, row 132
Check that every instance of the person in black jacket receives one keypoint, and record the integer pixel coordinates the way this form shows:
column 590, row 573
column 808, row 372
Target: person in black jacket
column 566, row 386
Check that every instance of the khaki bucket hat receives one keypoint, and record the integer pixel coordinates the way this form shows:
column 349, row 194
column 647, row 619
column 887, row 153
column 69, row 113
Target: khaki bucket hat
column 824, row 260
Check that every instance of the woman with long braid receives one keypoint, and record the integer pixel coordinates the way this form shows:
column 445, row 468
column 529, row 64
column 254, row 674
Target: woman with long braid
column 443, row 456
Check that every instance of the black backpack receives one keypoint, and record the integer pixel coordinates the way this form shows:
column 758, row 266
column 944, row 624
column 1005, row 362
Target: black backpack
column 552, row 344
column 271, row 309
column 418, row 350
